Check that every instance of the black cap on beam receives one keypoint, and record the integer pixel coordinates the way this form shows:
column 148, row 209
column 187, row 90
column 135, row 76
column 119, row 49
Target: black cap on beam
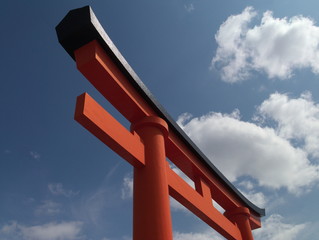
column 77, row 28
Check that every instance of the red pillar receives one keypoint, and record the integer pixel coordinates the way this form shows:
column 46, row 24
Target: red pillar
column 240, row 216
column 151, row 207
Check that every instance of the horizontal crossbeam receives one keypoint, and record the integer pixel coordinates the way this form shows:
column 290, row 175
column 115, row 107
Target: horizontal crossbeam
column 106, row 128
column 200, row 206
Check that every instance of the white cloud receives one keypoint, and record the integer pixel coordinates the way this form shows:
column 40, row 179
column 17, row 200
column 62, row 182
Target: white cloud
column 297, row 119
column 58, row 189
column 9, row 228
column 209, row 234
column 35, row 155
column 127, row 187
column 49, row 231
column 241, row 148
column 52, row 231
column 258, row 198
column 247, row 188
column 48, row 207
column 189, row 7
column 275, row 229
column 94, row 207
column 276, row 46
column 247, row 184
column 176, row 206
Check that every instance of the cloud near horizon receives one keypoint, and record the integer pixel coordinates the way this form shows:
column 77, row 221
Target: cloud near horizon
column 275, row 46
column 50, row 231
column 274, row 228
column 261, row 152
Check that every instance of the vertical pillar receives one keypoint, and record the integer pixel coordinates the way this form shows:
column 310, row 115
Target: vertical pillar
column 151, row 207
column 240, row 216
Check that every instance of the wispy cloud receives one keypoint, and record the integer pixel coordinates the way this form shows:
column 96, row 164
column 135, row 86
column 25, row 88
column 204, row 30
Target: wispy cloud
column 276, row 46
column 48, row 207
column 189, row 7
column 92, row 208
column 35, row 155
column 127, row 187
column 58, row 189
column 7, row 151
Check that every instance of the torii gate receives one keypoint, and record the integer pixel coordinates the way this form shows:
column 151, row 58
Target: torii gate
column 153, row 137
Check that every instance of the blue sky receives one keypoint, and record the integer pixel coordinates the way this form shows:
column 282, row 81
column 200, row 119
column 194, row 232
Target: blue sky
column 240, row 77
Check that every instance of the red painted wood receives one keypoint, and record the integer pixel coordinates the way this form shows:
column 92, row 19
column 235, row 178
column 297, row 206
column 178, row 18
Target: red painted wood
column 151, row 207
column 201, row 207
column 240, row 216
column 151, row 175
column 106, row 128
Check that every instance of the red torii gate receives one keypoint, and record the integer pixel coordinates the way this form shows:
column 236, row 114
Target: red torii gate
column 153, row 137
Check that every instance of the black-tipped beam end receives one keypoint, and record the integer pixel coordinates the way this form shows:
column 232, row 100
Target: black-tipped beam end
column 77, row 29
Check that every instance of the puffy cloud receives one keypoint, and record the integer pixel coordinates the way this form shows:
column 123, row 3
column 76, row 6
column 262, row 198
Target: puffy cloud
column 247, row 184
column 276, row 46
column 257, row 198
column 247, row 188
column 49, row 231
column 231, row 55
column 52, row 231
column 297, row 119
column 275, row 229
column 241, row 148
